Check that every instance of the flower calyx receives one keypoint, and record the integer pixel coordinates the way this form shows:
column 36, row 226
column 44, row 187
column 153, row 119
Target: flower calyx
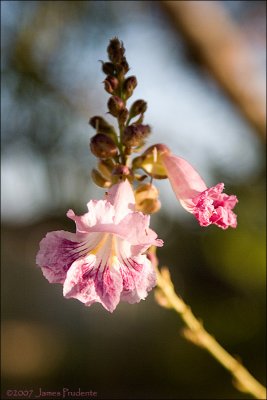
column 150, row 161
column 120, row 173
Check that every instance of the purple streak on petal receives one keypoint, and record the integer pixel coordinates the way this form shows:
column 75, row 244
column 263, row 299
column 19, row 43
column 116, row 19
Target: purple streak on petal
column 89, row 283
column 58, row 250
column 139, row 278
column 109, row 288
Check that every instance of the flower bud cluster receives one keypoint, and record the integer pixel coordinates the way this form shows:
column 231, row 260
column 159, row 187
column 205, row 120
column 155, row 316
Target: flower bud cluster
column 114, row 151
column 111, row 148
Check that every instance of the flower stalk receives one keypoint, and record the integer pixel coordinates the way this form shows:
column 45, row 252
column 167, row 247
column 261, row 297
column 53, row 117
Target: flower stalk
column 197, row 334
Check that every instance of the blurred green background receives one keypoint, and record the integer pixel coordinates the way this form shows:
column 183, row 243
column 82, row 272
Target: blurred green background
column 51, row 86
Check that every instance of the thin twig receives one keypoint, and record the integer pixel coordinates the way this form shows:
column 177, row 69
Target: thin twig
column 196, row 333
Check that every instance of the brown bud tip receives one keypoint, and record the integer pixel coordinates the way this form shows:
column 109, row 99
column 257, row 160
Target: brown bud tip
column 134, row 135
column 138, row 107
column 115, row 105
column 129, row 86
column 108, row 68
column 102, row 126
column 115, row 50
column 124, row 65
column 111, row 84
column 103, row 146
column 123, row 116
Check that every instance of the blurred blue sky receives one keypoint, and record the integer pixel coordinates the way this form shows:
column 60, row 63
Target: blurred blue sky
column 186, row 108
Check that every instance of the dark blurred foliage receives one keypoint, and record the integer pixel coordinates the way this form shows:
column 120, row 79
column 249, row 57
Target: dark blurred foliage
column 136, row 352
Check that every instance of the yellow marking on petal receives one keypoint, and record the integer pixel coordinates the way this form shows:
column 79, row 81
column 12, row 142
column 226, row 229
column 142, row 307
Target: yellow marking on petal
column 113, row 259
column 114, row 262
column 99, row 245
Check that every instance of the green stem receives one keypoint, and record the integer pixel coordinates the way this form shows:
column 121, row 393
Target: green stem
column 196, row 333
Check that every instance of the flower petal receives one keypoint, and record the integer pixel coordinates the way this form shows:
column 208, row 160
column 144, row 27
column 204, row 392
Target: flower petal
column 134, row 228
column 122, row 197
column 209, row 205
column 58, row 250
column 185, row 180
column 214, row 207
column 99, row 212
column 139, row 278
column 89, row 282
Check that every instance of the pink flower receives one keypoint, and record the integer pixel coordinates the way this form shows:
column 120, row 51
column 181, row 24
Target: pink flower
column 104, row 261
column 209, row 205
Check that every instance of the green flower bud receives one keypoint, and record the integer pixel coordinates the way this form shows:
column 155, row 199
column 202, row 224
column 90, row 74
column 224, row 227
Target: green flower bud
column 134, row 135
column 102, row 146
column 129, row 86
column 138, row 107
column 115, row 105
column 111, row 84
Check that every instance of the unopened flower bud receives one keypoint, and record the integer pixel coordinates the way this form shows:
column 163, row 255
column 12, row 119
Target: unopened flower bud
column 111, row 84
column 115, row 105
column 129, row 86
column 115, row 50
column 102, row 146
column 123, row 116
column 124, row 64
column 106, row 167
column 134, row 135
column 138, row 107
column 102, row 126
column 146, row 196
column 99, row 180
column 108, row 68
column 149, row 206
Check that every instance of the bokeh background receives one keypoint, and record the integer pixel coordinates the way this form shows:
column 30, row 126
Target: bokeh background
column 201, row 68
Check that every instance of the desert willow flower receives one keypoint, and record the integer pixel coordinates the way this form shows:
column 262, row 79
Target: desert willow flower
column 103, row 261
column 208, row 205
